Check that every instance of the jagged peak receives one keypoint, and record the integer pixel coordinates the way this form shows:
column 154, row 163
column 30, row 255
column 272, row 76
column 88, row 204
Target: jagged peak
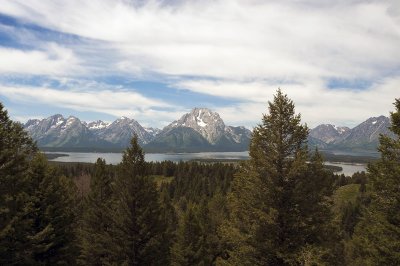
column 57, row 115
column 71, row 117
column 201, row 111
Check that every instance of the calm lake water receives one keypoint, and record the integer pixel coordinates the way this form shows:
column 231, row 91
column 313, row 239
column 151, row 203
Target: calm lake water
column 115, row 158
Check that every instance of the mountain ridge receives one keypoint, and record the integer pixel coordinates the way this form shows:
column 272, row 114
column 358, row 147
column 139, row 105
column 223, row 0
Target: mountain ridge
column 363, row 137
column 207, row 132
column 200, row 130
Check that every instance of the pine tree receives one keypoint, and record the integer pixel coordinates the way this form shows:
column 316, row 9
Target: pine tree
column 273, row 216
column 189, row 249
column 376, row 238
column 16, row 148
column 52, row 212
column 170, row 219
column 37, row 212
column 96, row 221
column 138, row 227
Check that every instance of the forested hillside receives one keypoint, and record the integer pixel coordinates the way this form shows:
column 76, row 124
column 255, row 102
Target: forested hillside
column 278, row 208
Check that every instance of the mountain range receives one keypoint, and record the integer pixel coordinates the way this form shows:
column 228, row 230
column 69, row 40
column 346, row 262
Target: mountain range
column 200, row 130
column 362, row 138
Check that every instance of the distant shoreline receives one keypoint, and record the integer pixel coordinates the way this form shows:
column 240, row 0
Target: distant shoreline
column 328, row 157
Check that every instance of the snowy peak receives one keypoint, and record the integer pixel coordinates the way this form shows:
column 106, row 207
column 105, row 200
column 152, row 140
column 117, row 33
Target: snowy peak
column 342, row 130
column 364, row 136
column 202, row 114
column 209, row 124
column 31, row 123
column 55, row 121
column 152, row 131
column 57, row 131
column 121, row 131
column 328, row 133
column 211, row 127
column 376, row 121
column 97, row 125
column 369, row 130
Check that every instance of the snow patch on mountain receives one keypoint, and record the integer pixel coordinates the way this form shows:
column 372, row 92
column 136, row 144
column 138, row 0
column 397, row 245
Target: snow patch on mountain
column 210, row 125
column 153, row 131
column 97, row 125
column 200, row 122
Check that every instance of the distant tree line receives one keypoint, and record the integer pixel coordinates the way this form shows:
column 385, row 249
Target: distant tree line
column 282, row 207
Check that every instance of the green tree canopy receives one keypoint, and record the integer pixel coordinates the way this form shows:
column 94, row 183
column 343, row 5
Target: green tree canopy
column 277, row 202
column 37, row 211
column 376, row 238
column 95, row 233
column 138, row 227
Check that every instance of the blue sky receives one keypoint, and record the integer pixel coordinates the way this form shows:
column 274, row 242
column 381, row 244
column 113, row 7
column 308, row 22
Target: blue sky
column 155, row 60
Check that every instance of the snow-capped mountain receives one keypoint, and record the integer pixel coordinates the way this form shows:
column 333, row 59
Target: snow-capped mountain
column 200, row 130
column 121, row 131
column 365, row 136
column 97, row 125
column 209, row 124
column 152, row 131
column 328, row 133
column 57, row 131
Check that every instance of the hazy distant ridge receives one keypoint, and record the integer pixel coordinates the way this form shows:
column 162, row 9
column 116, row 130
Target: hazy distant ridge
column 197, row 131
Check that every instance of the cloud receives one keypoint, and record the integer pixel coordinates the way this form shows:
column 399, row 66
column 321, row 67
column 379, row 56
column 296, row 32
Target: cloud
column 233, row 39
column 55, row 60
column 341, row 106
column 117, row 102
column 240, row 50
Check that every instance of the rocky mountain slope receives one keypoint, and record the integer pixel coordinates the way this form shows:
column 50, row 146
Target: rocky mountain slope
column 329, row 133
column 197, row 131
column 364, row 137
column 121, row 131
column 59, row 132
column 200, row 130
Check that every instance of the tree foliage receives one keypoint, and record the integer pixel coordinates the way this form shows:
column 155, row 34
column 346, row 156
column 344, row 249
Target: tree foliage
column 96, row 222
column 376, row 238
column 278, row 201
column 137, row 224
column 275, row 209
column 37, row 211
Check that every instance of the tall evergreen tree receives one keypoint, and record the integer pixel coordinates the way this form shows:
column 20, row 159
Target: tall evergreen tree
column 138, row 227
column 37, row 211
column 376, row 238
column 96, row 221
column 16, row 148
column 170, row 219
column 52, row 212
column 277, row 199
column 190, row 244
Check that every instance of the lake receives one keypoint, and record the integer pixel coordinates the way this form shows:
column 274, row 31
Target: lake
column 115, row 158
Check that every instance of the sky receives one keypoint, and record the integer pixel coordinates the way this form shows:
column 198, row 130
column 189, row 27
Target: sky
column 339, row 61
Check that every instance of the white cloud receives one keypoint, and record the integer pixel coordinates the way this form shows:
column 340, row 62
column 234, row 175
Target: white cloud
column 115, row 102
column 242, row 50
column 56, row 60
column 233, row 39
column 347, row 107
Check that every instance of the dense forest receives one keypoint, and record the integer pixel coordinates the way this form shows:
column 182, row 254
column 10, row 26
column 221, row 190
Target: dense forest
column 281, row 207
